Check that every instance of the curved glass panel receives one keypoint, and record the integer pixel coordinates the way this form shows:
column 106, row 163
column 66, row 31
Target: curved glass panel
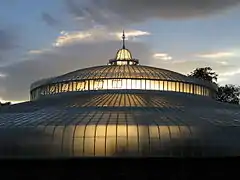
column 114, row 84
column 123, row 54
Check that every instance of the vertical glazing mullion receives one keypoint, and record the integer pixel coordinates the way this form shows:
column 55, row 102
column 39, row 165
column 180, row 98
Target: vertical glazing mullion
column 95, row 132
column 98, row 100
column 85, row 131
column 109, row 118
column 129, row 100
column 138, row 100
column 77, row 124
column 108, row 99
column 143, row 100
column 114, row 99
column 126, row 129
column 129, row 72
column 116, row 145
column 117, row 98
column 121, row 98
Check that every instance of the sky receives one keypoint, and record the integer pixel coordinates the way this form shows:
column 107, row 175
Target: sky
column 42, row 38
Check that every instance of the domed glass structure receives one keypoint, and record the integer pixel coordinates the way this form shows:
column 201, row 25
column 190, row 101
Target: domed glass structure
column 120, row 109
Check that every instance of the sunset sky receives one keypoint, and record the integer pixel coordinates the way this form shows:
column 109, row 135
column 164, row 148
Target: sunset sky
column 44, row 38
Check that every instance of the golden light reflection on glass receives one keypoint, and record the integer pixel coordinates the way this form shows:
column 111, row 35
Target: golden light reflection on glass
column 153, row 132
column 111, row 131
column 101, row 131
column 143, row 84
column 79, row 132
column 148, row 85
column 100, row 146
column 122, row 84
column 143, row 135
column 123, row 54
column 121, row 130
column 174, row 132
column 177, row 87
column 132, row 131
column 89, row 146
column 64, row 87
column 133, row 144
column 68, row 138
column 78, row 146
column 90, row 131
column 161, row 86
column 165, row 85
column 70, row 88
column 129, row 84
column 164, row 133
column 186, row 88
column 91, row 85
column 111, row 139
column 57, row 137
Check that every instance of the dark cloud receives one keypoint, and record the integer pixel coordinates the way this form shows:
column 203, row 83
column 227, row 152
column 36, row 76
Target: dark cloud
column 61, row 60
column 9, row 44
column 113, row 11
column 7, row 40
column 48, row 19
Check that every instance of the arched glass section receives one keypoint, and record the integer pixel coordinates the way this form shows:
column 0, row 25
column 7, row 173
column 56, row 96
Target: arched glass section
column 123, row 54
column 121, row 84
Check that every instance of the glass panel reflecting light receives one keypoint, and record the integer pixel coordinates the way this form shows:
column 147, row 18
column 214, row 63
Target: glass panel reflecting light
column 121, row 84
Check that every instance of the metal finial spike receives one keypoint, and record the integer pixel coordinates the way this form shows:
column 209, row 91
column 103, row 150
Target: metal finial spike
column 123, row 38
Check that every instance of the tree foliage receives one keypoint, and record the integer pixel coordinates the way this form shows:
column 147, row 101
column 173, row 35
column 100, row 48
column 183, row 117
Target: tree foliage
column 204, row 74
column 229, row 94
column 5, row 104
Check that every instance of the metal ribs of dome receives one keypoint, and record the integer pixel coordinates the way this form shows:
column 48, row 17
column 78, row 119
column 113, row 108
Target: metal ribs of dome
column 123, row 67
column 122, row 72
column 123, row 54
column 157, row 124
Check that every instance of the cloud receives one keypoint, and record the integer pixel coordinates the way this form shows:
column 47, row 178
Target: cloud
column 48, row 19
column 187, row 66
column 63, row 59
column 117, row 12
column 162, row 56
column 131, row 34
column 217, row 55
column 66, row 38
column 37, row 51
column 222, row 80
column 95, row 34
column 231, row 73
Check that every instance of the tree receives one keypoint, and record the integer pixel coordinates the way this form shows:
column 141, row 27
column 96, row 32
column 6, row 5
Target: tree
column 5, row 104
column 204, row 74
column 229, row 94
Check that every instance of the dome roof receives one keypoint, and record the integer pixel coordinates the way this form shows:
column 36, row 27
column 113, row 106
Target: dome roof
column 123, row 54
column 121, row 72
column 161, row 124
column 120, row 122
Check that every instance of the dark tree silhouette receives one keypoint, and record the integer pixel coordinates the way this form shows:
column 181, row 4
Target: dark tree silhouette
column 204, row 74
column 229, row 94
column 5, row 104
